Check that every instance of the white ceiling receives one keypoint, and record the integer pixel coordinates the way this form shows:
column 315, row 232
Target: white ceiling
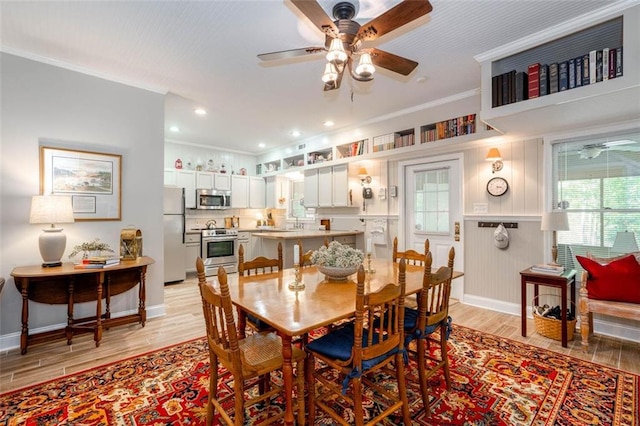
column 203, row 54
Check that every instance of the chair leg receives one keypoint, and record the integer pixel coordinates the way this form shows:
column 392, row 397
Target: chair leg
column 238, row 389
column 421, row 346
column 444, row 353
column 213, row 388
column 402, row 388
column 357, row 401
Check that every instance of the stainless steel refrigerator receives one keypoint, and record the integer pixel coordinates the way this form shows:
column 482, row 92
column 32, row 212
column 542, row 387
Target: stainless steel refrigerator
column 174, row 268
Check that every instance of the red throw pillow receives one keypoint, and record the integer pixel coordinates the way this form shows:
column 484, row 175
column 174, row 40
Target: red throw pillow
column 616, row 281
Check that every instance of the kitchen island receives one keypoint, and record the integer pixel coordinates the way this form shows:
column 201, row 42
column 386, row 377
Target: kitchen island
column 310, row 239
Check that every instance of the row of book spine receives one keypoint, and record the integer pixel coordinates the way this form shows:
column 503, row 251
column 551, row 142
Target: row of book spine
column 357, row 148
column 453, row 127
column 545, row 79
column 399, row 140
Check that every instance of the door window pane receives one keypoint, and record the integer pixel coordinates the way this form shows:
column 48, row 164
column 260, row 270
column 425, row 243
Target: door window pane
column 432, row 200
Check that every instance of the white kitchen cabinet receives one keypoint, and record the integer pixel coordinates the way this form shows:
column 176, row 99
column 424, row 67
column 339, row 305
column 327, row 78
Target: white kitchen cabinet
column 277, row 192
column 256, row 192
column 239, row 191
column 222, row 181
column 340, row 179
column 325, row 187
column 170, row 177
column 311, row 188
column 187, row 179
column 204, row 180
column 192, row 251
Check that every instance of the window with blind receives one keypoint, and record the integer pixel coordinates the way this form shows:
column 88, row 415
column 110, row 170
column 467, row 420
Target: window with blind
column 597, row 181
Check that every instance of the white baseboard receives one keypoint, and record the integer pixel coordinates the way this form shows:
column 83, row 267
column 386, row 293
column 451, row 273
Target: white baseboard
column 12, row 340
column 600, row 325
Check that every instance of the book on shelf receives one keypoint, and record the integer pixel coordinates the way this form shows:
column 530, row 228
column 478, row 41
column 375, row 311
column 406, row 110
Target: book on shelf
column 599, row 66
column 619, row 61
column 533, row 82
column 605, row 64
column 612, row 62
column 521, row 86
column 586, row 69
column 592, row 67
column 544, row 80
column 553, row 77
column 578, row 71
column 572, row 73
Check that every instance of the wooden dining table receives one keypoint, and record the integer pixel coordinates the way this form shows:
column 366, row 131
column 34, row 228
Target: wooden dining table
column 322, row 302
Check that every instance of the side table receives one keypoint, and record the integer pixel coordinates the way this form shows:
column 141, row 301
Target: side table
column 567, row 279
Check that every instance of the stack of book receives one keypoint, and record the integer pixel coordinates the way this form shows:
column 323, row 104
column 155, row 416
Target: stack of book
column 548, row 269
column 97, row 262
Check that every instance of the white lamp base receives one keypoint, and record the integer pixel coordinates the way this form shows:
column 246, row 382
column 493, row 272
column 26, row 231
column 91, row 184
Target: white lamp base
column 52, row 244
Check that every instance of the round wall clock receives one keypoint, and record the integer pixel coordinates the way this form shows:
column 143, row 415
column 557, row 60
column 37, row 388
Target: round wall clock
column 497, row 186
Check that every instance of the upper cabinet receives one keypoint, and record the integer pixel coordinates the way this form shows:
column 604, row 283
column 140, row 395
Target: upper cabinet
column 585, row 72
column 256, row 192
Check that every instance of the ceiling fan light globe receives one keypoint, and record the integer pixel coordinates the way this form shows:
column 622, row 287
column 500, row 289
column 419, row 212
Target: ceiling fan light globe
column 330, row 73
column 336, row 52
column 365, row 68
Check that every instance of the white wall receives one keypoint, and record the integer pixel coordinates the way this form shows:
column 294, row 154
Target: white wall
column 46, row 105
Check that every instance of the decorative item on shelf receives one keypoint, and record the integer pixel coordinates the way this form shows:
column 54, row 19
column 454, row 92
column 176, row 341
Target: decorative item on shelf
column 337, row 261
column 189, row 165
column 625, row 243
column 223, row 169
column 494, row 155
column 243, row 171
column 130, row 243
column 51, row 209
column 91, row 248
column 555, row 221
column 178, row 164
column 210, row 165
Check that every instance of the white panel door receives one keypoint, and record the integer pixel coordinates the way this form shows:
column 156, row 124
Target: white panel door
column 433, row 201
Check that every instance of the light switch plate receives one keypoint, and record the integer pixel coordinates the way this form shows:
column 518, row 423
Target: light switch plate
column 480, row 208
column 393, row 191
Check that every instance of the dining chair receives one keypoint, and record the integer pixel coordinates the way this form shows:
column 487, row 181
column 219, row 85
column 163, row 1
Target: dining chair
column 431, row 315
column 355, row 350
column 305, row 258
column 250, row 360
column 259, row 265
column 412, row 256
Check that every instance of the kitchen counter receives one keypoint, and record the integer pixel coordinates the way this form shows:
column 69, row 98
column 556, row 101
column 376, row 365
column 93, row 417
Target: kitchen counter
column 309, row 239
column 304, row 233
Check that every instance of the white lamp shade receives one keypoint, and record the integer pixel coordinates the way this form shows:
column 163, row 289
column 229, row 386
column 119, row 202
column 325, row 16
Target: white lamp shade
column 336, row 52
column 330, row 73
column 625, row 243
column 555, row 221
column 365, row 68
column 51, row 209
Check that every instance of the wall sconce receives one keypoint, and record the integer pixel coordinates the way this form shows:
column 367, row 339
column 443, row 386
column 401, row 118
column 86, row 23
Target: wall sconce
column 51, row 209
column 494, row 155
column 364, row 176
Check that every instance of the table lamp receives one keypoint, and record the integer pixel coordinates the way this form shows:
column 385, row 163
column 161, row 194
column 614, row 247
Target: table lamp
column 625, row 243
column 51, row 209
column 555, row 221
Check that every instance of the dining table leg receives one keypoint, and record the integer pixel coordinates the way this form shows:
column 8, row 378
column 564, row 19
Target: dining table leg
column 287, row 375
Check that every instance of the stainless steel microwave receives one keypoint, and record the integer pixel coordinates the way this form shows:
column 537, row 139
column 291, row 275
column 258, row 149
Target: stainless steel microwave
column 212, row 199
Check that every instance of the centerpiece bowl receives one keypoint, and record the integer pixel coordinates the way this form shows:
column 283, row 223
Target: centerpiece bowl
column 334, row 273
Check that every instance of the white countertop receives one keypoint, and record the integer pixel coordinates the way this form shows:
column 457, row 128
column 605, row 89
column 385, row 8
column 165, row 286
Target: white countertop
column 304, row 233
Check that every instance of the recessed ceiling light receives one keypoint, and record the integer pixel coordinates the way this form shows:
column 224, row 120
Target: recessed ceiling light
column 295, row 133
column 329, row 123
column 200, row 111
column 421, row 79
column 174, row 129
column 261, row 145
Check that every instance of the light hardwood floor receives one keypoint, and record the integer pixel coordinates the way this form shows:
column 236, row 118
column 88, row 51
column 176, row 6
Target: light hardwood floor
column 184, row 321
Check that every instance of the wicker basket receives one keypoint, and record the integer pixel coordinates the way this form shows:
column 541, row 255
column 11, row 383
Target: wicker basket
column 551, row 327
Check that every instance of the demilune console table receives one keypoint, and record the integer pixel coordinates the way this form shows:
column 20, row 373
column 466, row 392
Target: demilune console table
column 67, row 285
column 567, row 279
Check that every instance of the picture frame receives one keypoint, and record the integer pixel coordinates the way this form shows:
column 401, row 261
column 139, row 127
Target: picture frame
column 92, row 179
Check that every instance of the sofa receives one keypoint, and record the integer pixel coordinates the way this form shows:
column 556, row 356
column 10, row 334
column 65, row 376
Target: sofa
column 609, row 286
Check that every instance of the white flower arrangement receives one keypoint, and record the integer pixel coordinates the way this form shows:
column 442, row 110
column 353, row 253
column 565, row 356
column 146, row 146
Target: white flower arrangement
column 337, row 255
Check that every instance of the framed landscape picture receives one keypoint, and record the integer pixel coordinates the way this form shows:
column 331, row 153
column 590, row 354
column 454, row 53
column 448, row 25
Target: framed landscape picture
column 92, row 179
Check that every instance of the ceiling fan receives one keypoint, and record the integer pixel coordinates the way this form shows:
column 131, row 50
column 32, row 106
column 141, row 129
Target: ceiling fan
column 344, row 37
column 593, row 150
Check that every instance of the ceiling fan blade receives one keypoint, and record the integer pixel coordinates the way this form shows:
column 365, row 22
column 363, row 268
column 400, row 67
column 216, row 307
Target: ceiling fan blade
column 392, row 62
column 397, row 16
column 293, row 53
column 333, row 85
column 316, row 14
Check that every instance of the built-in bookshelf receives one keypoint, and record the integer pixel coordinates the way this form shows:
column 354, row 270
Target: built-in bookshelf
column 399, row 139
column 590, row 56
column 293, row 161
column 320, row 156
column 458, row 126
column 605, row 101
column 352, row 149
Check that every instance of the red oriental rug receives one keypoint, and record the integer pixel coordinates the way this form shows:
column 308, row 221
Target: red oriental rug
column 495, row 381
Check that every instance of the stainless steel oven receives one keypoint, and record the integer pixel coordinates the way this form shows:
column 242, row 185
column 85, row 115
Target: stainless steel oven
column 219, row 248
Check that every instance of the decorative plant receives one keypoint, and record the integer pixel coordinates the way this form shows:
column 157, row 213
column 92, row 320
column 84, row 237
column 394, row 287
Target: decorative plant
column 90, row 246
column 337, row 255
